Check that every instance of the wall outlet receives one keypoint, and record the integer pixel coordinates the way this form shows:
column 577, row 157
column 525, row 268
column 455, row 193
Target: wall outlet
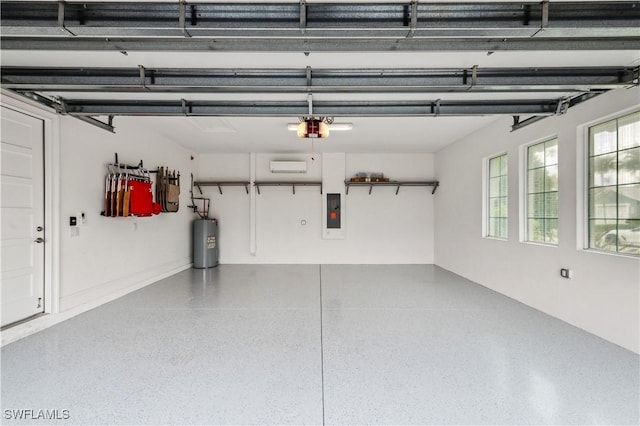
column 565, row 273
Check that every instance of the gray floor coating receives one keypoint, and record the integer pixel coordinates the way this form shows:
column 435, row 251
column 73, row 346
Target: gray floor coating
column 242, row 344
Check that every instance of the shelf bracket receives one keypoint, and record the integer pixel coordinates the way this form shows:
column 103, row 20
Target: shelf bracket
column 435, row 186
column 397, row 189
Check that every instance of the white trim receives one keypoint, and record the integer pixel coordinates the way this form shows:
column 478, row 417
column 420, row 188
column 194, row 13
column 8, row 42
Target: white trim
column 51, row 190
column 28, row 328
column 253, row 221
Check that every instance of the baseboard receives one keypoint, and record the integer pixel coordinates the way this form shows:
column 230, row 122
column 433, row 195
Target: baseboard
column 43, row 322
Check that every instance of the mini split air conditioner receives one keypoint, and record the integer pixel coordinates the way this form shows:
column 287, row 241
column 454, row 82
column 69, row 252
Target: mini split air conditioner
column 288, row 167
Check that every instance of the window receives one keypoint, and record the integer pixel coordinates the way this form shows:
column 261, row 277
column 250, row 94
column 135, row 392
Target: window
column 614, row 185
column 497, row 197
column 542, row 192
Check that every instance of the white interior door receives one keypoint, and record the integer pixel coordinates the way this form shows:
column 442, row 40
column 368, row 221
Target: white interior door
column 21, row 216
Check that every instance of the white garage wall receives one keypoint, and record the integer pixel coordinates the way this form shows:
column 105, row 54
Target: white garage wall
column 603, row 295
column 115, row 255
column 378, row 228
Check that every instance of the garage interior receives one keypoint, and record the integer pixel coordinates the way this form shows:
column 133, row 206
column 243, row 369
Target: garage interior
column 372, row 276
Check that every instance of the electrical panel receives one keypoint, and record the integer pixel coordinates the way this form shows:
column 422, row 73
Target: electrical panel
column 333, row 211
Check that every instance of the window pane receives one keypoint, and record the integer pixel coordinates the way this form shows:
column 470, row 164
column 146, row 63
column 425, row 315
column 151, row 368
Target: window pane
column 503, row 186
column 535, row 156
column 492, row 227
column 535, row 230
column 497, row 197
column 629, row 202
column 614, row 199
column 629, row 236
column 602, row 234
column 603, row 203
column 536, row 206
column 503, row 164
column 494, row 167
column 502, row 228
column 551, row 178
column 629, row 131
column 602, row 170
column 551, row 231
column 503, row 207
column 494, row 207
column 535, row 181
column 551, row 152
column 603, row 138
column 629, row 166
column 551, row 205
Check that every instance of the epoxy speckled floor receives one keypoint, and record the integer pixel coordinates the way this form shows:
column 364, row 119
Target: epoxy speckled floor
column 250, row 344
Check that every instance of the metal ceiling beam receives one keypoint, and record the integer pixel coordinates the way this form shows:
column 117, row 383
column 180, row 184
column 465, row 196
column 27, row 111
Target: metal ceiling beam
column 461, row 44
column 303, row 80
column 300, row 108
column 318, row 26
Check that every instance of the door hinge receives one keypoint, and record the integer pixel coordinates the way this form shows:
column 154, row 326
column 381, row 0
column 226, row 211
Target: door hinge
column 39, row 302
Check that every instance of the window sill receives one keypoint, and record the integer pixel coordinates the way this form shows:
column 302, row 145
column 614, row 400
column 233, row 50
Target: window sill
column 536, row 243
column 611, row 253
column 487, row 237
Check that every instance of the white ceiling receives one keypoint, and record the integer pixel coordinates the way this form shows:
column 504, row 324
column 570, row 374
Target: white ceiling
column 247, row 134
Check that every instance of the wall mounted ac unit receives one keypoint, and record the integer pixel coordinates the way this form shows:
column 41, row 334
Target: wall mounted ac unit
column 288, row 167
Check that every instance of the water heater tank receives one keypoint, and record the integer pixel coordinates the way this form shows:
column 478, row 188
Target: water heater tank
column 205, row 243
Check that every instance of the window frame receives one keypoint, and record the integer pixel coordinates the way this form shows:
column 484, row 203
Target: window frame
column 486, row 174
column 524, row 190
column 583, row 201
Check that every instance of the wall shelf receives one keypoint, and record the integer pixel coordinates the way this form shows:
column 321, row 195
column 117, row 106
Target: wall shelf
column 292, row 184
column 397, row 184
column 220, row 184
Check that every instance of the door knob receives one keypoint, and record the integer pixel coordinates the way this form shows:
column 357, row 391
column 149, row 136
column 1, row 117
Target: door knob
column 39, row 240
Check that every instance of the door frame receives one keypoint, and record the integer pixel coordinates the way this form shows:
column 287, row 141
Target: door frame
column 51, row 153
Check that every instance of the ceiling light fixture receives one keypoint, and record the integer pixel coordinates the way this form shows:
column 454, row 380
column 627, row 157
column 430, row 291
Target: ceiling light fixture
column 334, row 127
column 313, row 128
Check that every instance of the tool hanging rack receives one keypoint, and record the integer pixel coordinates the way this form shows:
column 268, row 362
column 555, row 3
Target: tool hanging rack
column 128, row 190
column 168, row 190
column 206, row 202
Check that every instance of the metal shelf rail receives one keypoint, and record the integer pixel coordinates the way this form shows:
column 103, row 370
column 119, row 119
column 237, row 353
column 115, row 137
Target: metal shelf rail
column 292, row 184
column 220, row 184
column 397, row 184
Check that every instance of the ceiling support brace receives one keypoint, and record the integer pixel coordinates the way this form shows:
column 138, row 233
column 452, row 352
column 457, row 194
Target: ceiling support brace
column 60, row 106
column 303, row 16
column 182, row 19
column 63, row 28
column 302, row 80
column 561, row 108
column 303, row 26
column 83, row 107
column 413, row 18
